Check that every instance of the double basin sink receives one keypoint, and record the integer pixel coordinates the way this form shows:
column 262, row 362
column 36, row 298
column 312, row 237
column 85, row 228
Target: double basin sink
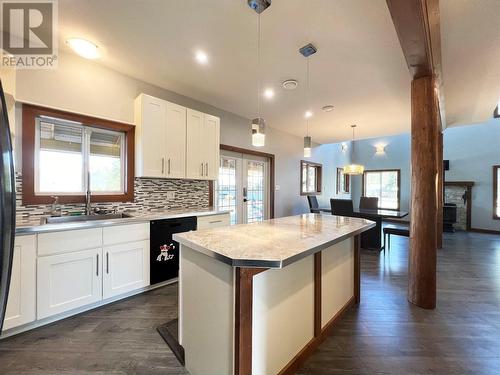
column 79, row 218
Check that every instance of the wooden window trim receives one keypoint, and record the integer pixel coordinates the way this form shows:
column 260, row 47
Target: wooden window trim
column 319, row 176
column 347, row 182
column 30, row 112
column 384, row 170
column 495, row 191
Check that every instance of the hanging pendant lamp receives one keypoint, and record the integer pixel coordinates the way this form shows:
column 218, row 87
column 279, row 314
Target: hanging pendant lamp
column 307, row 51
column 353, row 169
column 258, row 124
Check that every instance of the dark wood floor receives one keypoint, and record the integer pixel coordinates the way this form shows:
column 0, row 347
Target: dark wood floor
column 385, row 335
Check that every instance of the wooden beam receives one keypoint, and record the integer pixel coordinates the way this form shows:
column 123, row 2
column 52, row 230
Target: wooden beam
column 424, row 139
column 317, row 294
column 417, row 24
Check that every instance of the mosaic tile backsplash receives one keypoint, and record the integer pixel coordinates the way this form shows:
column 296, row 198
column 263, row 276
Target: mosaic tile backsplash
column 150, row 195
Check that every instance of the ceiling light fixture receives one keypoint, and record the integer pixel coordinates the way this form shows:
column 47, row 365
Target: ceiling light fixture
column 84, row 48
column 201, row 57
column 290, row 84
column 269, row 93
column 258, row 124
column 327, row 108
column 353, row 168
column 307, row 51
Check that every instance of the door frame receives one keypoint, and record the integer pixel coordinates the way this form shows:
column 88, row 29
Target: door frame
column 271, row 173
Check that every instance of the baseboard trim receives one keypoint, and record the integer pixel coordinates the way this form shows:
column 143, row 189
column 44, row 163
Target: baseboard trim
column 68, row 314
column 313, row 344
column 486, row 231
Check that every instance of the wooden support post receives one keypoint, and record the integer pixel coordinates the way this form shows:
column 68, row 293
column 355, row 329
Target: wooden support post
column 440, row 191
column 423, row 245
column 357, row 269
column 317, row 294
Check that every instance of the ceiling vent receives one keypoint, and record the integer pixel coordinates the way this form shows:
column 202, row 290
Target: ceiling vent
column 308, row 50
column 259, row 5
column 290, row 84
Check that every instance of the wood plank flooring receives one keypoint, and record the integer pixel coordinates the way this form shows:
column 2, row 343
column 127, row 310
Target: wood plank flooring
column 385, row 335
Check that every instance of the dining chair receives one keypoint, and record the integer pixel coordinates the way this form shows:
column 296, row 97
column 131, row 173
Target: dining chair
column 342, row 207
column 370, row 203
column 313, row 203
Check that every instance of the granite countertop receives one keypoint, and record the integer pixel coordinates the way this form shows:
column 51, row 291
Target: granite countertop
column 24, row 227
column 273, row 243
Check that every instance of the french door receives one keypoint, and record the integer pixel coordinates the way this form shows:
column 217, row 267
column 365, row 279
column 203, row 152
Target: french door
column 242, row 187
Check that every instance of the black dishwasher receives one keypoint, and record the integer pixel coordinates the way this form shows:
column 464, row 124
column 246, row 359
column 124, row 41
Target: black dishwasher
column 164, row 252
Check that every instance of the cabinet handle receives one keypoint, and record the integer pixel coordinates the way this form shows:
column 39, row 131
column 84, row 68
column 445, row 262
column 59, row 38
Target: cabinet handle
column 215, row 221
column 107, row 262
column 206, row 164
column 97, row 268
column 168, row 165
column 202, row 169
column 162, row 165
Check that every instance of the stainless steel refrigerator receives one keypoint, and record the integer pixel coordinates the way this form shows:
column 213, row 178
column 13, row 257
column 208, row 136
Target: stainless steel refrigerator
column 7, row 206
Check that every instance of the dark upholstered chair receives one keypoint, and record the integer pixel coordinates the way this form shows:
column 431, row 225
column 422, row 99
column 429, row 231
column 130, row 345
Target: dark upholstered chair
column 342, row 207
column 396, row 231
column 370, row 203
column 314, row 206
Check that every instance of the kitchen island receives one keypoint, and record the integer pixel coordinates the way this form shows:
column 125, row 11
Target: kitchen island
column 258, row 298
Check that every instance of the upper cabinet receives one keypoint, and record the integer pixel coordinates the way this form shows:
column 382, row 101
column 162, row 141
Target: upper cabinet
column 175, row 142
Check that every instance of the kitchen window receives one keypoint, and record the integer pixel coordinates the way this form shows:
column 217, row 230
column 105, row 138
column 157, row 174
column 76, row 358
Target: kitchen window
column 496, row 192
column 310, row 178
column 69, row 153
column 343, row 181
column 384, row 185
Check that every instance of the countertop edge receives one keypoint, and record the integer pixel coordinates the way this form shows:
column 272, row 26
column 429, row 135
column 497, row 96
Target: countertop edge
column 275, row 264
column 48, row 228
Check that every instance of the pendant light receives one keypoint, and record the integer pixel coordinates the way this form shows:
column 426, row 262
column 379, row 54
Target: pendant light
column 258, row 124
column 307, row 51
column 353, row 168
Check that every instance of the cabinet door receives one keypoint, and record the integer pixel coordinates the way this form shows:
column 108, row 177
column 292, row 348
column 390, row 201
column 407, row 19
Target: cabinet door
column 175, row 142
column 21, row 304
column 151, row 139
column 126, row 267
column 211, row 146
column 68, row 281
column 195, row 152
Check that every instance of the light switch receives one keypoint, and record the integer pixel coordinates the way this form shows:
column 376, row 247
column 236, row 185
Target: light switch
column 277, row 188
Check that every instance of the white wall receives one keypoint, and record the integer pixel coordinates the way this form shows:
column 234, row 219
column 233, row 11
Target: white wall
column 472, row 151
column 81, row 86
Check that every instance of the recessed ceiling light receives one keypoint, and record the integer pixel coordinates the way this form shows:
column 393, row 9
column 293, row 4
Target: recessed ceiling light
column 269, row 93
column 308, row 114
column 327, row 108
column 201, row 57
column 84, row 48
column 290, row 84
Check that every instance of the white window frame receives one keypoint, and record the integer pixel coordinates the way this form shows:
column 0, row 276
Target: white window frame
column 86, row 133
column 398, row 182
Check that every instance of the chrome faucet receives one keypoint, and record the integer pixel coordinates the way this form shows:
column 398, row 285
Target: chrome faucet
column 88, row 206
column 55, row 209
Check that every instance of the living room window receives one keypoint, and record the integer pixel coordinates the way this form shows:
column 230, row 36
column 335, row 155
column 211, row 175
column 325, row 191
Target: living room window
column 310, row 178
column 496, row 192
column 64, row 154
column 385, row 185
column 343, row 181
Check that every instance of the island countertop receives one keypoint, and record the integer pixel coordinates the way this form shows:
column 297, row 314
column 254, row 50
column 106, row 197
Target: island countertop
column 273, row 243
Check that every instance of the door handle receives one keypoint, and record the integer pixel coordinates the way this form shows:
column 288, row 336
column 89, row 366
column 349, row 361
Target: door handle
column 97, row 267
column 168, row 165
column 107, row 262
column 162, row 165
column 245, row 194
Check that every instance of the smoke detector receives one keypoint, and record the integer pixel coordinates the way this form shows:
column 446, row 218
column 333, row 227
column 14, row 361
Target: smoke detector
column 259, row 5
column 290, row 84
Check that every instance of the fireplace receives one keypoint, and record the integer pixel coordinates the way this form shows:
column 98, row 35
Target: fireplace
column 449, row 217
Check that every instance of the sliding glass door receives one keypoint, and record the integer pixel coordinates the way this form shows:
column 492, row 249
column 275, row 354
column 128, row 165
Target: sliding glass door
column 242, row 188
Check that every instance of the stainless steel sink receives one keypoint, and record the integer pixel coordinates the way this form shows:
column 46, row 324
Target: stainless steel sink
column 72, row 219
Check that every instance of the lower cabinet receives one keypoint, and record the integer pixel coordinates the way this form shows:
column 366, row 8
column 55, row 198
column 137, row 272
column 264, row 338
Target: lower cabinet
column 21, row 304
column 126, row 267
column 68, row 281
column 213, row 221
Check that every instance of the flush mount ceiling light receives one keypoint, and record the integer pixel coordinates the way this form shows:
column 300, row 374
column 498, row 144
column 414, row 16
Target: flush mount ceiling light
column 327, row 108
column 84, row 48
column 353, row 168
column 290, row 84
column 269, row 93
column 201, row 57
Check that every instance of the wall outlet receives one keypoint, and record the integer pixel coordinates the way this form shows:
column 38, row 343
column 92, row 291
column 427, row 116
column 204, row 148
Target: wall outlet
column 170, row 194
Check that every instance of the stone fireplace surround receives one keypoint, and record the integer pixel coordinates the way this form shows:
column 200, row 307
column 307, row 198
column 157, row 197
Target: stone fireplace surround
column 454, row 192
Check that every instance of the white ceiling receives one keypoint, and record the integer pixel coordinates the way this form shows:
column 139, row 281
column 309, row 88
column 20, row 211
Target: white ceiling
column 359, row 68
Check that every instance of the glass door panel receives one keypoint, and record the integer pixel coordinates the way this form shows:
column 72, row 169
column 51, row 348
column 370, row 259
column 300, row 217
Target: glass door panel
column 255, row 191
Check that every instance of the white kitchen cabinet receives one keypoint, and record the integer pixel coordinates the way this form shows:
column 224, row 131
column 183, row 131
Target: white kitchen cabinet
column 125, row 268
column 213, row 221
column 202, row 146
column 21, row 304
column 68, row 281
column 175, row 142
column 150, row 135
